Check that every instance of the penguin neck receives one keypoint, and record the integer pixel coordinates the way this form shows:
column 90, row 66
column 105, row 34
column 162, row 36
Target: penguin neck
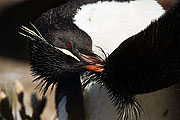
column 69, row 98
column 109, row 23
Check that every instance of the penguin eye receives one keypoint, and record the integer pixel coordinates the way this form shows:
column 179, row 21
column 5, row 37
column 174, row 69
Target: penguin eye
column 68, row 44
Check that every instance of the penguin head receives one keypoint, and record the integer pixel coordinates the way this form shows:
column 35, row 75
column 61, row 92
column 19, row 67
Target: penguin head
column 58, row 48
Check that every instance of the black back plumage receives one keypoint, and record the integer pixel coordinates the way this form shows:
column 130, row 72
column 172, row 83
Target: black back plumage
column 13, row 16
column 146, row 62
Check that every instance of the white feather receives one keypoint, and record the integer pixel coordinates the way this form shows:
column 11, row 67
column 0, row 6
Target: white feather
column 110, row 23
column 67, row 52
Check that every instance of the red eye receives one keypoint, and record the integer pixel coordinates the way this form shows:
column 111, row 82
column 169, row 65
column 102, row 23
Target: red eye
column 68, row 45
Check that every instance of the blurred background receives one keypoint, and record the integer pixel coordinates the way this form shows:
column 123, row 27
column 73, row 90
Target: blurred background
column 13, row 49
column 160, row 105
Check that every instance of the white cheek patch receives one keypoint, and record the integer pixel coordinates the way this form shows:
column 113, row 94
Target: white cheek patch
column 67, row 52
column 110, row 23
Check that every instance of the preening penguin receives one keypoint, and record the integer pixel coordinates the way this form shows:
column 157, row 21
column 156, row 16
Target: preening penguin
column 142, row 48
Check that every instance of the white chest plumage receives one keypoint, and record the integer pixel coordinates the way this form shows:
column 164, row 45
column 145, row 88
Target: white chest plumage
column 108, row 24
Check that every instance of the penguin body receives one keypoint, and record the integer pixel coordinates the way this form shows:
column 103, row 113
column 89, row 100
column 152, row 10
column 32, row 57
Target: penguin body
column 108, row 24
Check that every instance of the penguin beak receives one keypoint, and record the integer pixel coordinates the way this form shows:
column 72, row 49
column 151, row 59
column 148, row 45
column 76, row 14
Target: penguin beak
column 94, row 68
column 95, row 64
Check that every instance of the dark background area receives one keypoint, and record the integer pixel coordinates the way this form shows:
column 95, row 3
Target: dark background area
column 13, row 48
column 12, row 17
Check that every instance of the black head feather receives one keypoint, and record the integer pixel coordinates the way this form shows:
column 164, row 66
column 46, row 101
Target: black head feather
column 51, row 63
column 50, row 35
column 47, row 61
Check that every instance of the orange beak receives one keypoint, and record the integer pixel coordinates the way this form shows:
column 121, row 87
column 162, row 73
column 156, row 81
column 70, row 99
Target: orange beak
column 96, row 64
column 94, row 68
